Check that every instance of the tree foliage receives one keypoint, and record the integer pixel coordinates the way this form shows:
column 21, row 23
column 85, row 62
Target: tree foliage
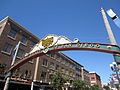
column 79, row 84
column 58, row 80
column 94, row 87
column 106, row 87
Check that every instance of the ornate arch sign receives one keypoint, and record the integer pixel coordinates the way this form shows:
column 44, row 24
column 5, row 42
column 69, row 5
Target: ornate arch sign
column 52, row 43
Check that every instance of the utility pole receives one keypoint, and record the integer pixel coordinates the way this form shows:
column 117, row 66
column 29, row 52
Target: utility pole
column 110, row 34
column 108, row 28
column 9, row 74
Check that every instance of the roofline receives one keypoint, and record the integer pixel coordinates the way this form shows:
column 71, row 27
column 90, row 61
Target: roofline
column 95, row 73
column 70, row 58
column 8, row 18
column 92, row 72
column 85, row 70
column 4, row 19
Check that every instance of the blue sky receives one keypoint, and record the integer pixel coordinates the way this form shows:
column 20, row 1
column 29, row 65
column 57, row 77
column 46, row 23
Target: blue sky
column 71, row 18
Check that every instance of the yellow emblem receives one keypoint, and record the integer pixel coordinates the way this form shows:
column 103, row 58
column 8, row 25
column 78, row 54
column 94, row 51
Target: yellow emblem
column 47, row 42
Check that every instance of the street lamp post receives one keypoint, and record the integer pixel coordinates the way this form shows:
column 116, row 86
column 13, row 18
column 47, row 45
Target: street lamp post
column 115, row 69
column 108, row 28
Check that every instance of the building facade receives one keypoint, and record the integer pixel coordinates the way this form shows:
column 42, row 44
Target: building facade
column 95, row 79
column 57, row 62
column 10, row 34
column 85, row 75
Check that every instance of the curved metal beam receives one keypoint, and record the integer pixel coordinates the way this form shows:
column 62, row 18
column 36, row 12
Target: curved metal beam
column 107, row 48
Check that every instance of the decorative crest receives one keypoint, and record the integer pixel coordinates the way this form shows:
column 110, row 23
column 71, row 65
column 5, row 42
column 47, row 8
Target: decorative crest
column 51, row 40
column 47, row 42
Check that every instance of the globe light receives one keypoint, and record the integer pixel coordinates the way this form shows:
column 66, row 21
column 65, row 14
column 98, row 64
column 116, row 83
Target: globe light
column 115, row 64
column 111, row 66
column 115, row 69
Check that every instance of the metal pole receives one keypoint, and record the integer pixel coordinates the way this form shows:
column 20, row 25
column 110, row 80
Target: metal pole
column 14, row 57
column 109, row 31
column 35, row 73
column 32, row 84
column 117, row 76
column 10, row 73
column 82, row 72
column 116, row 70
column 108, row 28
column 7, row 81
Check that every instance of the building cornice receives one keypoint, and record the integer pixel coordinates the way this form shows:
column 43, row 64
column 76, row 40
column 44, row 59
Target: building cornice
column 8, row 18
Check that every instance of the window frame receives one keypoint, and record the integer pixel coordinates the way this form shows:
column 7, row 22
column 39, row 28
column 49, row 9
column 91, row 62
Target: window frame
column 32, row 44
column 23, row 38
column 10, row 34
column 45, row 63
column 52, row 65
column 19, row 51
column 43, row 74
column 5, row 48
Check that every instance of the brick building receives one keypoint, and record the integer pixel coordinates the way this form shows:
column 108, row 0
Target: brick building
column 11, row 33
column 95, row 79
column 85, row 75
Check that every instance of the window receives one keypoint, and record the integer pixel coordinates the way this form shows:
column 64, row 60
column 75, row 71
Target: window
column 63, row 70
column 43, row 74
column 20, row 53
column 63, row 61
column 52, row 54
column 67, row 72
column 24, row 39
column 28, row 74
column 7, row 48
column 57, row 67
column 92, row 78
column 51, row 65
column 2, row 68
column 70, row 65
column 33, row 43
column 77, row 69
column 12, row 33
column 50, row 76
column 67, row 64
column 45, row 62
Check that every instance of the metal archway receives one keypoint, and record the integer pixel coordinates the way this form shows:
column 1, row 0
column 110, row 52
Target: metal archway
column 107, row 48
